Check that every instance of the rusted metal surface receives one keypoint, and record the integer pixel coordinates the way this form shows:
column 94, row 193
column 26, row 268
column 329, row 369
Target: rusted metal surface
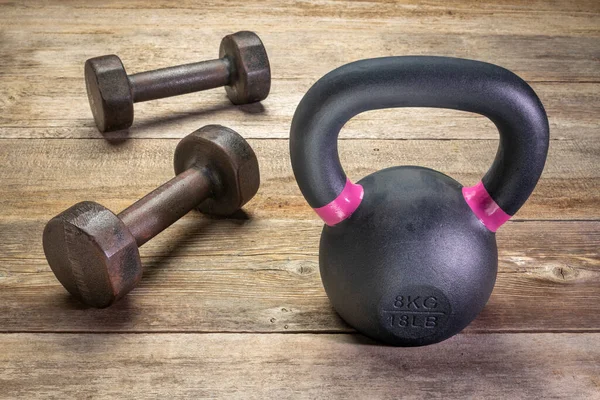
column 94, row 253
column 182, row 79
column 242, row 67
column 251, row 73
column 109, row 93
column 217, row 148
column 159, row 209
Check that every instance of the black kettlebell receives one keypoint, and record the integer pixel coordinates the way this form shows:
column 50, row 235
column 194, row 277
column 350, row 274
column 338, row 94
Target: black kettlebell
column 408, row 255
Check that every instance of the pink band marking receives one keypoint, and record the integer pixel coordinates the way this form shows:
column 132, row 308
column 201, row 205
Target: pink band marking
column 484, row 207
column 343, row 206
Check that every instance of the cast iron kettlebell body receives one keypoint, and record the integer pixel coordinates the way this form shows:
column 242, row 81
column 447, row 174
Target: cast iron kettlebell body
column 408, row 255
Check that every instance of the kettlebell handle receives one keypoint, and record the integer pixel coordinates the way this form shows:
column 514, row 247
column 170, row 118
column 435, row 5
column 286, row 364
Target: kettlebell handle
column 420, row 81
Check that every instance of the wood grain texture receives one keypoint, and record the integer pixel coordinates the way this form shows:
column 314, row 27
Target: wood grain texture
column 206, row 275
column 33, row 114
column 249, row 366
column 58, row 173
column 235, row 308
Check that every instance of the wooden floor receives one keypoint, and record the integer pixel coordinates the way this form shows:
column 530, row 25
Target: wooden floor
column 235, row 308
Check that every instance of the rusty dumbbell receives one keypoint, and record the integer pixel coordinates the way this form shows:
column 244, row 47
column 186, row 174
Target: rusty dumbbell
column 94, row 253
column 242, row 67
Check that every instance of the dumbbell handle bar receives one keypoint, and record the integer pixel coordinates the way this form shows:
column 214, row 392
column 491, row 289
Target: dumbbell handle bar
column 163, row 206
column 180, row 79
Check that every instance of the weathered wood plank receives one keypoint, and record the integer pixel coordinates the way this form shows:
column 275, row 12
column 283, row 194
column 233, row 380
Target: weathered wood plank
column 41, row 178
column 334, row 7
column 30, row 113
column 578, row 18
column 254, row 275
column 59, row 50
column 545, row 366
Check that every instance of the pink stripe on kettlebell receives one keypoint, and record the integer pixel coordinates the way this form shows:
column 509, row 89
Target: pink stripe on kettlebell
column 484, row 207
column 343, row 206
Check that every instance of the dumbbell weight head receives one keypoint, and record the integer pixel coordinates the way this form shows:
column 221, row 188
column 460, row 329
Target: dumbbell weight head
column 109, row 93
column 94, row 253
column 232, row 163
column 251, row 79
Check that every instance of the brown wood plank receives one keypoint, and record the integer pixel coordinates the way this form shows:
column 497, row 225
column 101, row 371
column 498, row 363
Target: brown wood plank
column 255, row 276
column 545, row 366
column 41, row 178
column 333, row 7
column 577, row 18
column 30, row 113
